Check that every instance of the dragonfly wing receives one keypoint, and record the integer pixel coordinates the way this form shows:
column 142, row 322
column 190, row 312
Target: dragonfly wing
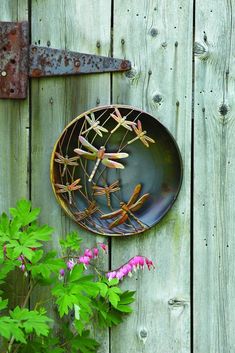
column 111, row 164
column 135, row 194
column 139, row 126
column 85, row 154
column 119, row 220
column 87, row 144
column 144, row 141
column 88, row 119
column 112, row 214
column 60, row 186
column 115, row 183
column 101, row 128
column 116, row 155
column 149, row 139
column 136, row 206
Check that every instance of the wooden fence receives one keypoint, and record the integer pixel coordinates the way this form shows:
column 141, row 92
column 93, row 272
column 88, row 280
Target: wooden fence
column 182, row 53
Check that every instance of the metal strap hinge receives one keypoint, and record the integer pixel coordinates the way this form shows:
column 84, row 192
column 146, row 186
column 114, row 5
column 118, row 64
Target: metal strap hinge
column 19, row 60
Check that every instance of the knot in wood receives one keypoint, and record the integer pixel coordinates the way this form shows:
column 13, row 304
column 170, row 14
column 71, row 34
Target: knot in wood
column 143, row 333
column 153, row 32
column 200, row 51
column 223, row 109
column 177, row 302
column 157, row 98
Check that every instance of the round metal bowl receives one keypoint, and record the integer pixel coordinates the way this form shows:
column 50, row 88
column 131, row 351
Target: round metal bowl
column 153, row 173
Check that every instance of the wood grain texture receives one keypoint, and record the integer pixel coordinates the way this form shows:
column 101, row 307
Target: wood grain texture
column 214, row 197
column 14, row 124
column 157, row 38
column 78, row 26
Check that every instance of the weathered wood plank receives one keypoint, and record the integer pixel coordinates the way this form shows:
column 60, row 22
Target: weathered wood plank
column 214, row 198
column 80, row 26
column 14, row 124
column 157, row 38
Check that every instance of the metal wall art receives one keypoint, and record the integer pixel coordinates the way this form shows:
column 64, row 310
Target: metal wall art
column 116, row 170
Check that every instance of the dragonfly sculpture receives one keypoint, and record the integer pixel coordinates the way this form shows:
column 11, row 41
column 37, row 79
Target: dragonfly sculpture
column 68, row 188
column 106, row 190
column 126, row 209
column 94, row 125
column 141, row 135
column 81, row 215
column 66, row 161
column 99, row 156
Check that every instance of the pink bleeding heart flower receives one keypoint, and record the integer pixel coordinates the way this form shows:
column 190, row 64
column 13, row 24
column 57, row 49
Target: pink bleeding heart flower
column 149, row 263
column 137, row 261
column 95, row 252
column 111, row 275
column 22, row 267
column 133, row 264
column 62, row 272
column 88, row 253
column 21, row 258
column 85, row 260
column 120, row 274
column 70, row 265
column 126, row 269
column 104, row 247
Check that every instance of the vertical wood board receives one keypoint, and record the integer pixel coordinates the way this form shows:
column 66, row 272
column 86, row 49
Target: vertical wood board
column 157, row 38
column 214, row 166
column 82, row 26
column 14, row 128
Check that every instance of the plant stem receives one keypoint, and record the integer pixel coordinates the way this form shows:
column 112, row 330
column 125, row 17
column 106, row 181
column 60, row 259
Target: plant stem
column 31, row 287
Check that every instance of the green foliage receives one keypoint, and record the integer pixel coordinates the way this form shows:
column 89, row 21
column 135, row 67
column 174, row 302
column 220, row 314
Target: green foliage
column 87, row 297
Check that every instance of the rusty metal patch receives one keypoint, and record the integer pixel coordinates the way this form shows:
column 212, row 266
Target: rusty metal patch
column 54, row 62
column 13, row 59
column 19, row 60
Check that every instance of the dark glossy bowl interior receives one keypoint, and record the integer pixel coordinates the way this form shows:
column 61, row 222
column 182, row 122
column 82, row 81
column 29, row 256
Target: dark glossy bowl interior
column 157, row 168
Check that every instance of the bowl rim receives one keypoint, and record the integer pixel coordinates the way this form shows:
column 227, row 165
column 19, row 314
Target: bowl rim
column 62, row 203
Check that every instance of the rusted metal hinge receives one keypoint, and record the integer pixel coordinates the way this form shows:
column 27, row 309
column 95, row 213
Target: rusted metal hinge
column 19, row 60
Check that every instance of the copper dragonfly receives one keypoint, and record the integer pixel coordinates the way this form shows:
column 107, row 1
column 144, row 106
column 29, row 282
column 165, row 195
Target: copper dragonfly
column 68, row 188
column 127, row 209
column 106, row 190
column 81, row 215
column 100, row 156
column 66, row 161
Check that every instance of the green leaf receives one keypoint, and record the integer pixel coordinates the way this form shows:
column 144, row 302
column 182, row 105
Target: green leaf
column 83, row 343
column 127, row 297
column 113, row 282
column 24, row 213
column 3, row 304
column 31, row 321
column 48, row 265
column 10, row 328
column 6, row 267
column 113, row 297
column 103, row 289
column 4, row 227
column 65, row 303
column 42, row 233
column 76, row 273
column 72, row 241
column 124, row 308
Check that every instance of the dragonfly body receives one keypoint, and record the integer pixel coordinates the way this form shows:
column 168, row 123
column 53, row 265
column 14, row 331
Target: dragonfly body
column 68, row 188
column 92, row 208
column 99, row 155
column 106, row 190
column 127, row 209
